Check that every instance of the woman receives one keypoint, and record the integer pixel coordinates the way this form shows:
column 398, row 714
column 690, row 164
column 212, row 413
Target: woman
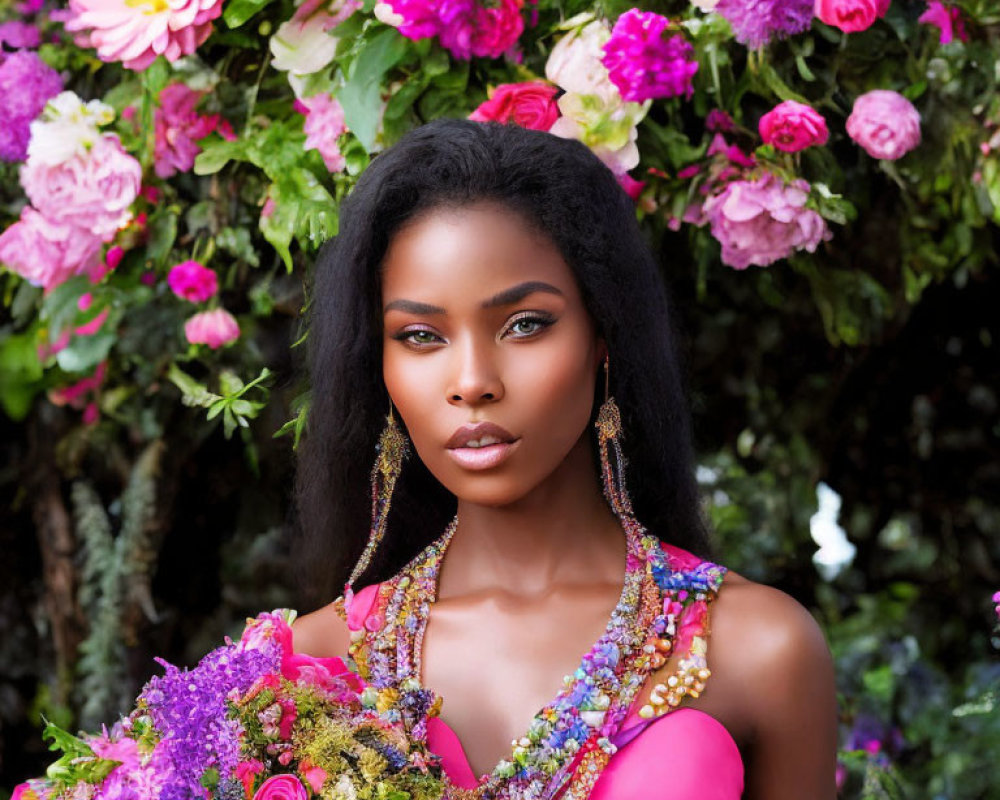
column 491, row 292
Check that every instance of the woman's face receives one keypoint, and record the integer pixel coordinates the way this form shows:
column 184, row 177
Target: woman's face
column 483, row 323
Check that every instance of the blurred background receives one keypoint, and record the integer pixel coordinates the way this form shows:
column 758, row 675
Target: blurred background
column 843, row 378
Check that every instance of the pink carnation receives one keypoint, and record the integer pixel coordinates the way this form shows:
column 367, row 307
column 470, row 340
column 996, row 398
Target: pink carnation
column 214, row 328
column 851, row 16
column 948, row 19
column 191, row 281
column 179, row 128
column 135, row 32
column 645, row 64
column 792, row 126
column 466, row 28
column 530, row 105
column 885, row 124
column 763, row 220
column 93, row 190
column 47, row 253
column 324, row 126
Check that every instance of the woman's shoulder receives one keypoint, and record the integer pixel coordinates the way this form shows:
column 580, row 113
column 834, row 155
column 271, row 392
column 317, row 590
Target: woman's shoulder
column 322, row 633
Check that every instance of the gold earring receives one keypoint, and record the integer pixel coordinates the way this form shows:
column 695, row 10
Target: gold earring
column 392, row 449
column 609, row 432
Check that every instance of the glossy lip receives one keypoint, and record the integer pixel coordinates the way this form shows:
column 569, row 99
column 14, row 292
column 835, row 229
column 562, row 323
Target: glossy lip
column 479, row 458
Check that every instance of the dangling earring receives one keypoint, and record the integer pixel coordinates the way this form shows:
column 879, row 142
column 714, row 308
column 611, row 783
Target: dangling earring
column 609, row 432
column 392, row 449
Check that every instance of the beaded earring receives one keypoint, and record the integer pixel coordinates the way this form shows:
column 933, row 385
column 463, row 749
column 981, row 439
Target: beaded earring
column 609, row 433
column 392, row 449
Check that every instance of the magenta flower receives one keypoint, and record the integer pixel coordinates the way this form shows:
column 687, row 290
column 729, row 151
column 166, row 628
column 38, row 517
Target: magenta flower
column 530, row 105
column 135, row 32
column 282, row 787
column 885, row 124
column 851, row 16
column 466, row 28
column 26, row 84
column 719, row 121
column 324, row 126
column 645, row 64
column 93, row 190
column 47, row 253
column 214, row 328
column 191, row 281
column 948, row 19
column 756, row 23
column 792, row 126
column 17, row 35
column 179, row 128
column 763, row 220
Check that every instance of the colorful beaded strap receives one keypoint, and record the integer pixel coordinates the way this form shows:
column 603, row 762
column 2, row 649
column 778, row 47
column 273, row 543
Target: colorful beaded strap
column 663, row 610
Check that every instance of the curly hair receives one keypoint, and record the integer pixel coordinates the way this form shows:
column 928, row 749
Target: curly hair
column 560, row 188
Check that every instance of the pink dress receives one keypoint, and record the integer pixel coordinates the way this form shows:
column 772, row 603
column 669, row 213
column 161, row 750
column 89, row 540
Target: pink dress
column 683, row 754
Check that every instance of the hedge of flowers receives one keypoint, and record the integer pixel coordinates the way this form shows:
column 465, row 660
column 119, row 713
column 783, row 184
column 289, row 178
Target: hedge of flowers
column 168, row 163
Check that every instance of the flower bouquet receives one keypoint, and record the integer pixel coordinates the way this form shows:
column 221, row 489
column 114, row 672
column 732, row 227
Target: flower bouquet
column 253, row 721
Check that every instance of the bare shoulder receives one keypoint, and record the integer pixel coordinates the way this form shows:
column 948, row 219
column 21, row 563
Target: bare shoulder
column 321, row 633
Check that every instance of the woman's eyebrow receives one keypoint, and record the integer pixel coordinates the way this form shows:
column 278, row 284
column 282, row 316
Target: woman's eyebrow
column 512, row 295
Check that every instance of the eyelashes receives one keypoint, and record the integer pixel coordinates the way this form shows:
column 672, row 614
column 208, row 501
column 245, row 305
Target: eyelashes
column 536, row 321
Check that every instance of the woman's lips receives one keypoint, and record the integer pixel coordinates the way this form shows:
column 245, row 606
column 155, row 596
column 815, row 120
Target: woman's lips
column 479, row 458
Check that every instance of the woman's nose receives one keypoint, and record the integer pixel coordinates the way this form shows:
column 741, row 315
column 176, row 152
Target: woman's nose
column 475, row 374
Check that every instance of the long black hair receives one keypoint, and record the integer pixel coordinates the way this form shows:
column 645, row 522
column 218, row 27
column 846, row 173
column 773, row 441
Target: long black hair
column 562, row 189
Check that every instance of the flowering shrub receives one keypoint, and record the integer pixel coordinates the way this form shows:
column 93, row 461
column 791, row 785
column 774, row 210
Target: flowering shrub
column 822, row 160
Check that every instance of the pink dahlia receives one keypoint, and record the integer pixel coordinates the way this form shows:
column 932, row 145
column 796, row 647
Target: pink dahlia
column 763, row 220
column 47, row 253
column 643, row 63
column 92, row 190
column 324, row 126
column 179, row 128
column 530, row 105
column 214, row 328
column 466, row 28
column 792, row 126
column 192, row 281
column 135, row 32
column 885, row 124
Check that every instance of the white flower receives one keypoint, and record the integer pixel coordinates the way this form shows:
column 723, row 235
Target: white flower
column 575, row 62
column 383, row 13
column 303, row 45
column 705, row 5
column 609, row 129
column 67, row 127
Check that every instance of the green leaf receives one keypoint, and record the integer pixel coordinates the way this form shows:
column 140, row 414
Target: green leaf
column 85, row 352
column 194, row 393
column 216, row 154
column 237, row 241
column 237, row 12
column 20, row 374
column 361, row 96
column 301, row 209
column 229, row 383
column 162, row 231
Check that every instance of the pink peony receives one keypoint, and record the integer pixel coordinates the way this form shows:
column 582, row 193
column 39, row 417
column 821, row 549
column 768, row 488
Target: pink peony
column 135, row 32
column 324, row 126
column 763, row 220
column 47, row 253
column 282, row 787
column 179, row 128
column 948, row 19
column 792, row 126
column 530, row 105
column 191, row 281
column 466, row 28
column 214, row 328
column 851, row 16
column 885, row 124
column 644, row 63
column 93, row 190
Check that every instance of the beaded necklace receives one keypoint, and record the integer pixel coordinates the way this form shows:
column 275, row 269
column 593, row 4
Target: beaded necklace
column 662, row 609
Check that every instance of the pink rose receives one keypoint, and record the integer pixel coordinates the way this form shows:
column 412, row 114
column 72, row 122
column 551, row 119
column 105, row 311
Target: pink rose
column 792, row 126
column 530, row 105
column 947, row 19
column 763, row 220
column 282, row 787
column 851, row 16
column 885, row 124
column 191, row 281
column 93, row 190
column 214, row 328
column 47, row 253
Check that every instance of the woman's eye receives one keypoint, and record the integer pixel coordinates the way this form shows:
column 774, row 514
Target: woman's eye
column 416, row 337
column 526, row 326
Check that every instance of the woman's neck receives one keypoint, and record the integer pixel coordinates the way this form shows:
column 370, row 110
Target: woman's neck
column 563, row 531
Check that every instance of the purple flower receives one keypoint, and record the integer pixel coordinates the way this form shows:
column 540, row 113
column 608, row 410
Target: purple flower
column 644, row 64
column 763, row 220
column 26, row 85
column 466, row 28
column 756, row 22
column 188, row 708
column 17, row 35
